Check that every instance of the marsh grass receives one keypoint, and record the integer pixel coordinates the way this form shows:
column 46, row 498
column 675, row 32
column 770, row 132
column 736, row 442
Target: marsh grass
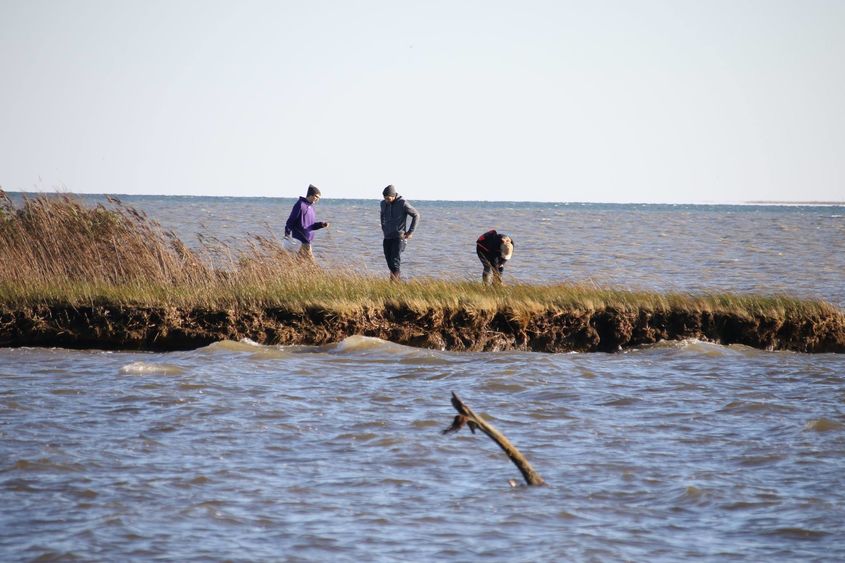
column 54, row 249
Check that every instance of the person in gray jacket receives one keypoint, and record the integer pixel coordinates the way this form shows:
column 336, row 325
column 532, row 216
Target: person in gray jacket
column 394, row 224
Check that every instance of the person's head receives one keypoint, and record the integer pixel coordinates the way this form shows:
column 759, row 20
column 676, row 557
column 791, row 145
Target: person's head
column 506, row 247
column 313, row 195
column 389, row 193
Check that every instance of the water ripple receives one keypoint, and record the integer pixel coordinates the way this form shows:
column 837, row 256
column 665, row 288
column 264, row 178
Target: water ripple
column 671, row 452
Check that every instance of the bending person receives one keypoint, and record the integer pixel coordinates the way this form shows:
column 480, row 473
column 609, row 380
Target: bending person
column 494, row 250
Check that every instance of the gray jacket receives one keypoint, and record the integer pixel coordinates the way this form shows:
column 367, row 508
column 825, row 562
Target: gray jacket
column 394, row 217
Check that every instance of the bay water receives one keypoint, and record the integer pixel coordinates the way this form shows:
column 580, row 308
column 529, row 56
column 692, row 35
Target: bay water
column 242, row 452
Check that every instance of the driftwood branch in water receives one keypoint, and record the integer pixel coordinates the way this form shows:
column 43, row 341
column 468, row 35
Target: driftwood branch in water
column 474, row 421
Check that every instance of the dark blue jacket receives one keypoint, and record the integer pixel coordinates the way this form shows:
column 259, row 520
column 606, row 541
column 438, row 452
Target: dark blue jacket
column 394, row 218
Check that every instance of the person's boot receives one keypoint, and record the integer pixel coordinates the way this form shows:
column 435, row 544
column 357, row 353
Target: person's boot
column 395, row 277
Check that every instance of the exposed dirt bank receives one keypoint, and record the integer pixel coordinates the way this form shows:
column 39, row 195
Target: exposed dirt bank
column 158, row 328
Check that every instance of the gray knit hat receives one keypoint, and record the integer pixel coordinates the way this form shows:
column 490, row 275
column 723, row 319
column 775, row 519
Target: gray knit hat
column 389, row 190
column 313, row 190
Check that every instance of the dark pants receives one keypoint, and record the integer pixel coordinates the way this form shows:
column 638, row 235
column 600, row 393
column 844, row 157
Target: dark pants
column 393, row 248
column 492, row 268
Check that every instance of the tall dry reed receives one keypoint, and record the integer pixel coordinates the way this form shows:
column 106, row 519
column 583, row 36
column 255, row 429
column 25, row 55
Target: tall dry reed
column 57, row 242
column 57, row 238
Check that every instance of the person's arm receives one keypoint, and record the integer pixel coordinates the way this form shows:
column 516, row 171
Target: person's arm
column 292, row 219
column 415, row 217
column 317, row 225
column 306, row 215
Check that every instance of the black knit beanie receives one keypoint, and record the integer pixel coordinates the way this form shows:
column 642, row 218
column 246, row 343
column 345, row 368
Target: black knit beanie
column 313, row 190
column 389, row 190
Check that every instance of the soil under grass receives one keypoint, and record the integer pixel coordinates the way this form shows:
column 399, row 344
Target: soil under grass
column 503, row 324
column 110, row 278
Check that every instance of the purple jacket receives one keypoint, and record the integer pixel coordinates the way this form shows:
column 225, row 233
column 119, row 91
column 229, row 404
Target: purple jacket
column 301, row 222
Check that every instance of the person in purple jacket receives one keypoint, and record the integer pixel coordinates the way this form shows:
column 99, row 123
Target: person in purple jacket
column 302, row 222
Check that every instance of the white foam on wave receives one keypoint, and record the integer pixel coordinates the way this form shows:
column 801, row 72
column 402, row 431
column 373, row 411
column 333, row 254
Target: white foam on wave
column 696, row 346
column 150, row 368
column 356, row 344
column 678, row 344
column 244, row 345
column 249, row 346
column 359, row 343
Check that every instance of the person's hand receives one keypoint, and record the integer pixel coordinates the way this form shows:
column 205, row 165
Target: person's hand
column 326, row 224
column 408, row 236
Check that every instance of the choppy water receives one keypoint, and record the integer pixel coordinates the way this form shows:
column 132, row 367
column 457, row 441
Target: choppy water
column 243, row 452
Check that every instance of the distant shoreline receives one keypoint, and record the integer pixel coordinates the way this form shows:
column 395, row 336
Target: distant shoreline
column 809, row 203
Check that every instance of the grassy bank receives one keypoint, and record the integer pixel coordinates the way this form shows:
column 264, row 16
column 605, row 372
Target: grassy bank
column 348, row 294
column 60, row 258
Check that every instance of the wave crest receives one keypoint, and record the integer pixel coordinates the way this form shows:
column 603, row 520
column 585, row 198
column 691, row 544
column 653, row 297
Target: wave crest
column 359, row 343
column 150, row 368
column 823, row 425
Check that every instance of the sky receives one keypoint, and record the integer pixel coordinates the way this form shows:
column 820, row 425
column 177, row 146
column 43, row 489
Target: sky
column 671, row 101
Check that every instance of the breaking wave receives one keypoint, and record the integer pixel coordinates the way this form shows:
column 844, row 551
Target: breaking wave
column 150, row 368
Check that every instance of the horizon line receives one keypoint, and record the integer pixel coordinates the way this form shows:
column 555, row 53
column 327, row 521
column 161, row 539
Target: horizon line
column 568, row 202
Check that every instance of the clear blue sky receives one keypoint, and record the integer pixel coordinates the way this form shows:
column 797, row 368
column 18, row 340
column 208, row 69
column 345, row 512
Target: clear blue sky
column 617, row 101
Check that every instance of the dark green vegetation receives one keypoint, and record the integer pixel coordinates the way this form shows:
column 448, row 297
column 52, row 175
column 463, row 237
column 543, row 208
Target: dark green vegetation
column 109, row 277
